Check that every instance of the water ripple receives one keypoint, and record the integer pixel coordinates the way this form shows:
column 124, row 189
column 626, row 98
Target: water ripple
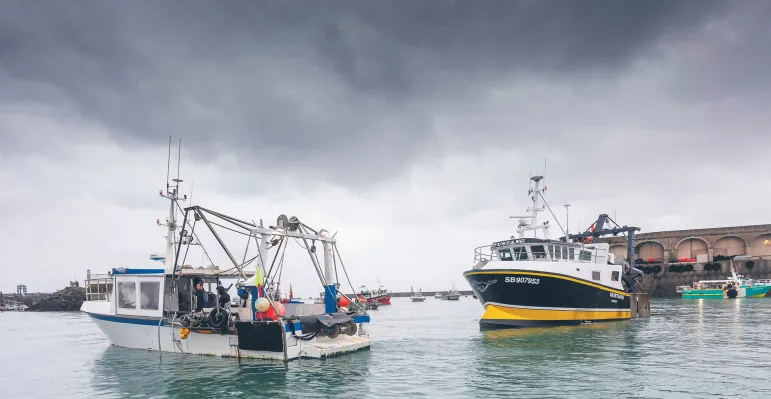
column 697, row 348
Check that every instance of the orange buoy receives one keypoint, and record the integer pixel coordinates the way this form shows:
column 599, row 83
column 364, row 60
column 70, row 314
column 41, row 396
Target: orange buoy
column 343, row 301
column 271, row 313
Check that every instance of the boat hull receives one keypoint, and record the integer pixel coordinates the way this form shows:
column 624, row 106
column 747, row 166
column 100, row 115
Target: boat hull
column 520, row 298
column 149, row 334
column 383, row 300
column 742, row 292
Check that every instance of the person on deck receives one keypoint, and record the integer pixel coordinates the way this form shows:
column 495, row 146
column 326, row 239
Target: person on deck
column 201, row 296
column 627, row 277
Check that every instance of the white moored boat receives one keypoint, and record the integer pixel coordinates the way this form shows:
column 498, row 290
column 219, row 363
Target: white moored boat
column 525, row 282
column 451, row 295
column 161, row 309
column 417, row 296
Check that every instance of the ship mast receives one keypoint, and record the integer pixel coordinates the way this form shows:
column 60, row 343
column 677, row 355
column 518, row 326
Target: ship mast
column 532, row 225
column 172, row 194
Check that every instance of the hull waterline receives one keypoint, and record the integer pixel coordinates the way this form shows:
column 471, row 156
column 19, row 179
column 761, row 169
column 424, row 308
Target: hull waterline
column 742, row 292
column 514, row 298
column 149, row 334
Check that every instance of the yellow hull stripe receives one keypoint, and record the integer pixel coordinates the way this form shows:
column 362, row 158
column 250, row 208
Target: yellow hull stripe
column 494, row 312
column 575, row 280
column 757, row 296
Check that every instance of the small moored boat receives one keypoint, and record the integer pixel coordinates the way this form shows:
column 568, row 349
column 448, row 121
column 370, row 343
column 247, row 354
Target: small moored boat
column 417, row 296
column 732, row 287
column 451, row 295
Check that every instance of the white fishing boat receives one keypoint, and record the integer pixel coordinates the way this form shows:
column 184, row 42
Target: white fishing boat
column 451, row 295
column 417, row 296
column 168, row 309
column 438, row 295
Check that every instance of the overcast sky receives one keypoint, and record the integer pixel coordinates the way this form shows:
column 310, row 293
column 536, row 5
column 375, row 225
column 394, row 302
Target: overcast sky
column 410, row 127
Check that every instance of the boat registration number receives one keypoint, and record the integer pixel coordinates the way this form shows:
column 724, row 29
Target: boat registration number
column 523, row 280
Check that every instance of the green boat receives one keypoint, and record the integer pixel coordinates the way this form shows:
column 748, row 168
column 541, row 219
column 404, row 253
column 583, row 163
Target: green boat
column 735, row 286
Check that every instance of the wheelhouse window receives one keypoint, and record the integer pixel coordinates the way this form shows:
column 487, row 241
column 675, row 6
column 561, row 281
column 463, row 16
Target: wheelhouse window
column 505, row 255
column 150, row 292
column 127, row 295
column 571, row 253
column 557, row 252
column 539, row 251
column 520, row 253
column 585, row 256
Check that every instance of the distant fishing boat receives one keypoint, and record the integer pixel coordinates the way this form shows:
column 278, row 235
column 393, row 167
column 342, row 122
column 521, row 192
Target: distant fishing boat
column 732, row 287
column 379, row 295
column 417, row 296
column 451, row 295
column 438, row 295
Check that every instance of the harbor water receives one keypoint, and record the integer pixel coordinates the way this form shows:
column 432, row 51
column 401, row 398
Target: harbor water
column 688, row 348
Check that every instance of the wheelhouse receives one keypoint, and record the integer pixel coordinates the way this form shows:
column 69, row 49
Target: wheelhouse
column 530, row 249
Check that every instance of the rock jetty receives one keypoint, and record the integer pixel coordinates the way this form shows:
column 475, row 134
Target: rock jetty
column 68, row 299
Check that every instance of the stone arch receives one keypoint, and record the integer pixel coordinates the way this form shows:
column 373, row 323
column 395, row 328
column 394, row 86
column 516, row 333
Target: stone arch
column 761, row 245
column 729, row 245
column 650, row 249
column 619, row 250
column 691, row 247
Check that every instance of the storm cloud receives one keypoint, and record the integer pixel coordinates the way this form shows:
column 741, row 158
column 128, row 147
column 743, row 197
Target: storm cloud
column 355, row 89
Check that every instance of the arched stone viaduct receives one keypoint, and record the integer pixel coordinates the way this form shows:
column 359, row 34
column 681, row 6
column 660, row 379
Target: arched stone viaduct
column 703, row 245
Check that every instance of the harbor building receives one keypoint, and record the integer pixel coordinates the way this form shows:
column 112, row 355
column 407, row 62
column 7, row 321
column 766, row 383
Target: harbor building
column 697, row 245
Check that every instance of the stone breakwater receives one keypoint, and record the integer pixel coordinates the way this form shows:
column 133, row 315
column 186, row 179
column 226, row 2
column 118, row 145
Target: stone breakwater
column 664, row 282
column 68, row 299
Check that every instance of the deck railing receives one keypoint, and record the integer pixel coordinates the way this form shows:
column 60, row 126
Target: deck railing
column 98, row 287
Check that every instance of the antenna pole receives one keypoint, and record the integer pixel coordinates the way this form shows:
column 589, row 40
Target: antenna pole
column 179, row 157
column 168, row 165
column 567, row 222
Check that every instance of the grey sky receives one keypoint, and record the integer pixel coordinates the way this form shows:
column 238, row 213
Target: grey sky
column 394, row 124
